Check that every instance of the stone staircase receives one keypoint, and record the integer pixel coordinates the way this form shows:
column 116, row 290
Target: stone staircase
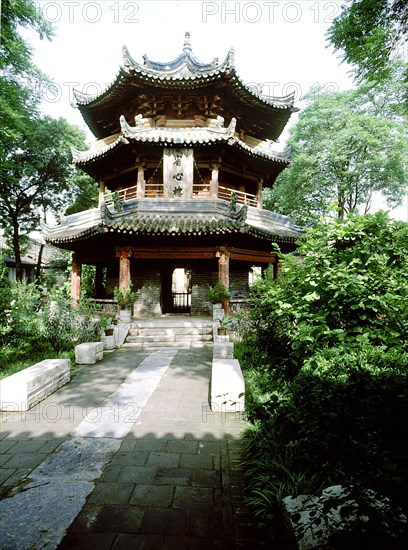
column 183, row 332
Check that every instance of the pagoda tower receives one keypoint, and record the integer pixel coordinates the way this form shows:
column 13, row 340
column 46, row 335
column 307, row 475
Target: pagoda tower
column 183, row 150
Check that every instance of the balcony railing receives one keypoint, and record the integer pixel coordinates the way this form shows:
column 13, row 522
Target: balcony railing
column 242, row 198
column 156, row 190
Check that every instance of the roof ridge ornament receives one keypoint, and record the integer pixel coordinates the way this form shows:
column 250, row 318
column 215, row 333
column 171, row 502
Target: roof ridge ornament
column 187, row 41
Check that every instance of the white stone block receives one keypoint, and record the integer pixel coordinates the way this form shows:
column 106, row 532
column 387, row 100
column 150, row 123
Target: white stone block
column 24, row 389
column 88, row 353
column 227, row 386
column 223, row 350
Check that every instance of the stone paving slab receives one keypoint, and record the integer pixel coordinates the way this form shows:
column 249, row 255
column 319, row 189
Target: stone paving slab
column 167, row 483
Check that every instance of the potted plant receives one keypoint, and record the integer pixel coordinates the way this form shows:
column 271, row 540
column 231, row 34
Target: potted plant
column 106, row 323
column 224, row 323
column 125, row 298
column 219, row 294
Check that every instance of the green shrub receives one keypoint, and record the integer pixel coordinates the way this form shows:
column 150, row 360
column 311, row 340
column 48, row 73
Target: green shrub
column 347, row 414
column 348, row 285
column 269, row 470
column 35, row 327
column 218, row 294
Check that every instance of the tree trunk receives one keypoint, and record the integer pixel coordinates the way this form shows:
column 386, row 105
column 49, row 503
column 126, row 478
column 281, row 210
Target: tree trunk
column 38, row 266
column 16, row 250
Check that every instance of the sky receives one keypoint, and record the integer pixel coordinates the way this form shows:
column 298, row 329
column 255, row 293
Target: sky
column 278, row 44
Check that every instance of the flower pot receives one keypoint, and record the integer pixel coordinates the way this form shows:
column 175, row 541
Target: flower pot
column 108, row 342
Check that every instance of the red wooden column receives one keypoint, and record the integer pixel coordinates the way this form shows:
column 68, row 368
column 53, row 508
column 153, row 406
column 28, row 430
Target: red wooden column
column 214, row 180
column 223, row 256
column 124, row 266
column 75, row 281
column 259, row 193
column 101, row 193
column 141, row 182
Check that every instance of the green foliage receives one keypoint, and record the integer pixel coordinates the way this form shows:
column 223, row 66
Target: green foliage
column 21, row 81
column 64, row 326
column 125, row 296
column 84, row 193
column 5, row 293
column 326, row 368
column 369, row 33
column 345, row 146
column 218, row 293
column 347, row 414
column 37, row 325
column 35, row 175
column 269, row 470
column 347, row 286
column 87, row 281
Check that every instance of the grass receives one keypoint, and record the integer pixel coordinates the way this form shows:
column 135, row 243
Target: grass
column 17, row 366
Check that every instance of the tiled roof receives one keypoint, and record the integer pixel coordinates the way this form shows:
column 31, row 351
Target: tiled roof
column 184, row 72
column 144, row 132
column 178, row 218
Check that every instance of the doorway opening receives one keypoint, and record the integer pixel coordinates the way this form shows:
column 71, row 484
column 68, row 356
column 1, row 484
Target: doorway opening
column 181, row 285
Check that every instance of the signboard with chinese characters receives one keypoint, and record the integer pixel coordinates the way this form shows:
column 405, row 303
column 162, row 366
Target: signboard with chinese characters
column 178, row 173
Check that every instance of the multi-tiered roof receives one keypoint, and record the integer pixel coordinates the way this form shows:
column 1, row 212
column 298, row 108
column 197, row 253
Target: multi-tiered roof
column 206, row 108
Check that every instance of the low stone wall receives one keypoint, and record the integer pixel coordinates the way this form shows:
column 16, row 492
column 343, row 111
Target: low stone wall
column 24, row 389
column 227, row 386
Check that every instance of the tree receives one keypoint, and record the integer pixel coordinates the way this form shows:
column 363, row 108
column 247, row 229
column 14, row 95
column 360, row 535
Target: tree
column 21, row 81
column 84, row 193
column 345, row 146
column 371, row 33
column 347, row 286
column 35, row 176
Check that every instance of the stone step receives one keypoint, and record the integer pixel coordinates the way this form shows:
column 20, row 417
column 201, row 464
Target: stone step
column 170, row 323
column 159, row 331
column 158, row 345
column 162, row 332
column 169, row 338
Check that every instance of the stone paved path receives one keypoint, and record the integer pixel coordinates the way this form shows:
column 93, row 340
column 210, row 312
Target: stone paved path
column 116, row 460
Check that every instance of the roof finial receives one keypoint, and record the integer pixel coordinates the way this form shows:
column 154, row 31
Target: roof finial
column 187, row 41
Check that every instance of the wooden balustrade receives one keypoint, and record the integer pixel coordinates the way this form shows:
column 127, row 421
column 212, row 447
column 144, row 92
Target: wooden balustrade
column 242, row 198
column 156, row 190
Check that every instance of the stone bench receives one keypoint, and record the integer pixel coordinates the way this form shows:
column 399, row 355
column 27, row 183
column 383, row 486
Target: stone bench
column 223, row 350
column 227, row 383
column 88, row 353
column 24, row 389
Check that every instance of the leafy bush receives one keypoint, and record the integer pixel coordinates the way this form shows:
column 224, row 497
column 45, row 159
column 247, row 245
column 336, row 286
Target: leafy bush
column 326, row 368
column 348, row 286
column 5, row 293
column 218, row 293
column 64, row 326
column 341, row 420
column 35, row 326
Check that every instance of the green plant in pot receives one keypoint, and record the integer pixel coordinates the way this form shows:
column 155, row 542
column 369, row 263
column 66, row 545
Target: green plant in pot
column 125, row 296
column 224, row 324
column 106, row 323
column 218, row 294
